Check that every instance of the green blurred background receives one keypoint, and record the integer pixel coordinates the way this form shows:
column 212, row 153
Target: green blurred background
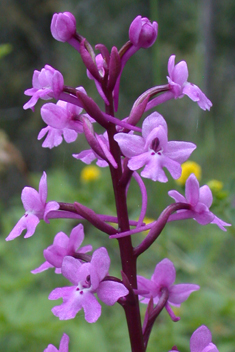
column 203, row 34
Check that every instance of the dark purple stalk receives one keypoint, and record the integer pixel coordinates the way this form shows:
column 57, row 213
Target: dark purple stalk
column 128, row 259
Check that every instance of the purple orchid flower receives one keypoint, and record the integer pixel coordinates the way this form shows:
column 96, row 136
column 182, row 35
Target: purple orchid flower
column 201, row 341
column 63, row 26
column 47, row 84
column 64, row 345
column 177, row 79
column 36, row 209
column 87, row 280
column 63, row 119
column 164, row 277
column 153, row 151
column 63, row 246
column 200, row 200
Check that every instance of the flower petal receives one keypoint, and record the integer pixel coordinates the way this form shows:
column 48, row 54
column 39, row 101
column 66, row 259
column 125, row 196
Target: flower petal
column 110, row 291
column 152, row 121
column 70, row 269
column 31, row 200
column 100, row 261
column 64, row 343
column 192, row 190
column 76, row 238
column 42, row 267
column 164, row 273
column 179, row 293
column 92, row 308
column 28, row 222
column 200, row 339
column 130, row 144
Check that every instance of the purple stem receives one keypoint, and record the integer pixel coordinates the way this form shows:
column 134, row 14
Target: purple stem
column 159, row 100
column 93, row 218
column 128, row 259
column 71, row 213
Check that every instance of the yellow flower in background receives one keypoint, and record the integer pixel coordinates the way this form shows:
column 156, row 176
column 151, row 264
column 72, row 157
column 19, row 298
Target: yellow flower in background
column 188, row 168
column 147, row 221
column 215, row 185
column 90, row 173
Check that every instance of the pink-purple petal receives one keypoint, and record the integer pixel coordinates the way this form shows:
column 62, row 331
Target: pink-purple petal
column 44, row 266
column 153, row 168
column 179, row 151
column 31, row 199
column 205, row 195
column 171, row 65
column 179, row 293
column 129, row 144
column 180, row 73
column 110, row 291
column 164, row 273
column 76, row 238
column 192, row 190
column 61, row 292
column 61, row 240
column 101, row 261
column 71, row 268
column 172, row 166
column 43, row 188
column 200, row 339
column 220, row 223
column 55, row 255
column 28, row 222
column 152, row 121
column 50, row 206
column 177, row 196
column 69, row 135
column 92, row 308
column 64, row 343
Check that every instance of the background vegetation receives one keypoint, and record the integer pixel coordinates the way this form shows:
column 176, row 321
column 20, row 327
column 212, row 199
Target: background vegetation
column 202, row 33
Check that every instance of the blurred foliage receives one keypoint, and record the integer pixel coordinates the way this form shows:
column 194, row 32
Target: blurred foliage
column 200, row 32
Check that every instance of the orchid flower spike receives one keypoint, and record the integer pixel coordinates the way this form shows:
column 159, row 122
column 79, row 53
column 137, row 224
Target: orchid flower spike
column 177, row 79
column 64, row 345
column 63, row 246
column 87, row 280
column 36, row 209
column 153, row 151
column 200, row 200
column 164, row 277
column 47, row 84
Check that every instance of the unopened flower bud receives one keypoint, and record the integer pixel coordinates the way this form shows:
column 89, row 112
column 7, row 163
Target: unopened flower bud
column 63, row 26
column 142, row 32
